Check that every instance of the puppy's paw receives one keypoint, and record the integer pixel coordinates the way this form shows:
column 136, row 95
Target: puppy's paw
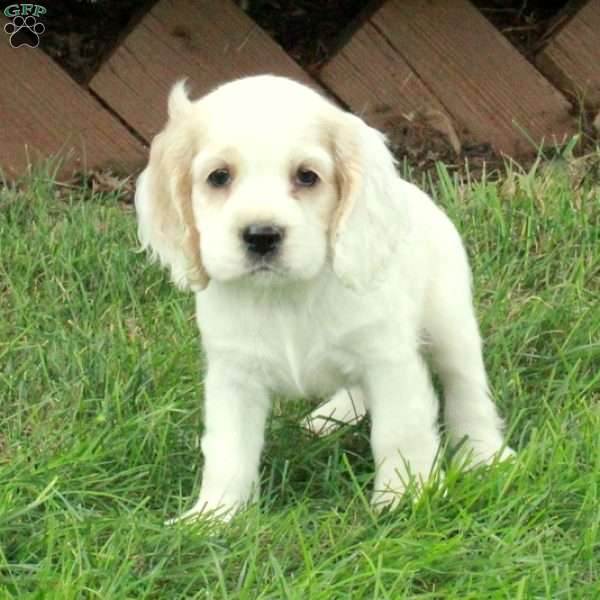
column 472, row 454
column 506, row 453
column 222, row 511
column 387, row 498
column 345, row 407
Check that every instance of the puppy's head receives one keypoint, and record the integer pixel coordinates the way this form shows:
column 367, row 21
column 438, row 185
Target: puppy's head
column 264, row 180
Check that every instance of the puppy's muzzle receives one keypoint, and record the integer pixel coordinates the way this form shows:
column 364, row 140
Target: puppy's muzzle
column 262, row 240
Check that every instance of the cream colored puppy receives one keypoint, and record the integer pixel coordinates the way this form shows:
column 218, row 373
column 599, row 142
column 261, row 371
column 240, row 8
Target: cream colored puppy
column 317, row 272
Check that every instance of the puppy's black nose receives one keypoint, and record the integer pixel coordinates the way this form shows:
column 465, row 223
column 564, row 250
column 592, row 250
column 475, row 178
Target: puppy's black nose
column 262, row 239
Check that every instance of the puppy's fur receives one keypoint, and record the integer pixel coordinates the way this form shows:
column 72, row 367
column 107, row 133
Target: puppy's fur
column 366, row 268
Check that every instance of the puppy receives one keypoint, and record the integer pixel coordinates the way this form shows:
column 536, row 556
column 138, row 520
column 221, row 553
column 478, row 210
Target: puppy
column 317, row 272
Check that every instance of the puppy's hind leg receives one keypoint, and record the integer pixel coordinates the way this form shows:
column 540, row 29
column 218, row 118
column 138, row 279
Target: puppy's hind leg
column 469, row 412
column 346, row 406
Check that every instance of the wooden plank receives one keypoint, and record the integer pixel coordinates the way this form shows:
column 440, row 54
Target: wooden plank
column 572, row 57
column 377, row 83
column 208, row 41
column 44, row 112
column 454, row 54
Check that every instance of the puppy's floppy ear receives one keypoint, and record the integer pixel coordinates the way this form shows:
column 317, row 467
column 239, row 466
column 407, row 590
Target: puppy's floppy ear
column 370, row 220
column 163, row 198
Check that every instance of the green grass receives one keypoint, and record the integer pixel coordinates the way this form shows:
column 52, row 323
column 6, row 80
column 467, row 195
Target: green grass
column 100, row 419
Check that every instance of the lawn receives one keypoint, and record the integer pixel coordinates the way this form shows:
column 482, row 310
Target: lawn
column 100, row 419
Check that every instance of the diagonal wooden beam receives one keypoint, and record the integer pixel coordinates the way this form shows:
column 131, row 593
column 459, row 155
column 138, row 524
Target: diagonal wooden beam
column 208, row 41
column 419, row 54
column 572, row 57
column 44, row 112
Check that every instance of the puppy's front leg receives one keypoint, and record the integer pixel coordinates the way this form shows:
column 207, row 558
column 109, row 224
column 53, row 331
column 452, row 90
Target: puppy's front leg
column 404, row 433
column 235, row 411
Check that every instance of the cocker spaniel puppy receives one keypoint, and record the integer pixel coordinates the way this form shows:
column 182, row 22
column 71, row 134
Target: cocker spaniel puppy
column 317, row 272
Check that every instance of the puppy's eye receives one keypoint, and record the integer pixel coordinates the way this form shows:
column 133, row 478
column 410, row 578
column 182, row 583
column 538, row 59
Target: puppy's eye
column 306, row 177
column 219, row 178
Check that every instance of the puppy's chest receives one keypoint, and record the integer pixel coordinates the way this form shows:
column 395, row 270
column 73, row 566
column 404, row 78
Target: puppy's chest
column 301, row 359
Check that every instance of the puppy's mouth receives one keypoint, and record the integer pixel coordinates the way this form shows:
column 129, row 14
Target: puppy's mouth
column 265, row 267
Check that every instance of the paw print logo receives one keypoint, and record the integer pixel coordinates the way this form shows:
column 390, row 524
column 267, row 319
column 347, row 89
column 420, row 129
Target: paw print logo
column 24, row 31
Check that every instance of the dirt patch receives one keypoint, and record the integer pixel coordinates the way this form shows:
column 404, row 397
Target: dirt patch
column 308, row 30
column 527, row 23
column 418, row 146
column 80, row 33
